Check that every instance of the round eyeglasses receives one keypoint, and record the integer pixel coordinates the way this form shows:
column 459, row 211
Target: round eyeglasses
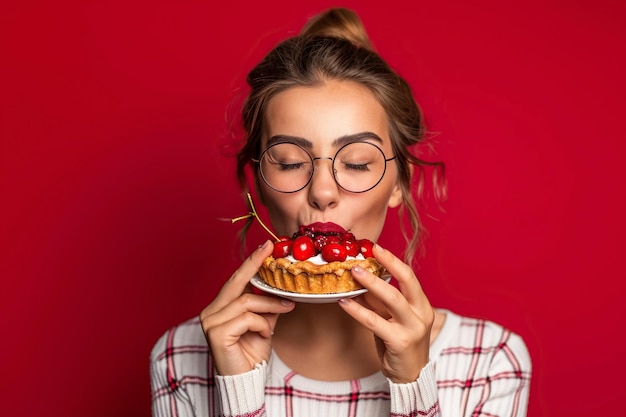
column 357, row 167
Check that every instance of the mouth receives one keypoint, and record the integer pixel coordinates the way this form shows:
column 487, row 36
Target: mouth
column 324, row 228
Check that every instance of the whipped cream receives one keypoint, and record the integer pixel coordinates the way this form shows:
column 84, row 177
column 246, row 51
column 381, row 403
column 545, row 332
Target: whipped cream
column 317, row 259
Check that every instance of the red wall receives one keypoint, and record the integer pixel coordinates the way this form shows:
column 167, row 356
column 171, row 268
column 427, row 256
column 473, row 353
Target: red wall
column 114, row 188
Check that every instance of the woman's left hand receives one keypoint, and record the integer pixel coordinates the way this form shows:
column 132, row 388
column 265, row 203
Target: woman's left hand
column 400, row 318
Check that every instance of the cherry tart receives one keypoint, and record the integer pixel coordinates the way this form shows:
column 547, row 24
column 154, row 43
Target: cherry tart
column 305, row 277
column 316, row 261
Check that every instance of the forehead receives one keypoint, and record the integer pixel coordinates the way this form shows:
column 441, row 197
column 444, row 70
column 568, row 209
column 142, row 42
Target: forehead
column 321, row 114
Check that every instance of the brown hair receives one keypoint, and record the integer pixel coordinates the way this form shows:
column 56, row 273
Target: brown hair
column 334, row 46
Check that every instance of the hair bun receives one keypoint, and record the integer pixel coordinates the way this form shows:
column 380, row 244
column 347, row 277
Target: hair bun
column 338, row 22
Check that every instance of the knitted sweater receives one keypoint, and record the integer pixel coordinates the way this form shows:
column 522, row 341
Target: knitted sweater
column 476, row 368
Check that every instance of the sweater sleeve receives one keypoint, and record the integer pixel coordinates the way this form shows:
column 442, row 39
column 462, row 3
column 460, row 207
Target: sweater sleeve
column 417, row 398
column 243, row 394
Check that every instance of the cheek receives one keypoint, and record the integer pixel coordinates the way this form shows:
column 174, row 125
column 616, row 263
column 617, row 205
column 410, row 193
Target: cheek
column 282, row 210
column 371, row 212
column 369, row 217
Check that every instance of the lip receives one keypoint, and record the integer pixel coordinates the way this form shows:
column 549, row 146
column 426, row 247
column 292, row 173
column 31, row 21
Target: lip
column 327, row 227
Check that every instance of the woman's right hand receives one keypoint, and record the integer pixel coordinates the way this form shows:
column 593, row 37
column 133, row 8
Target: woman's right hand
column 238, row 324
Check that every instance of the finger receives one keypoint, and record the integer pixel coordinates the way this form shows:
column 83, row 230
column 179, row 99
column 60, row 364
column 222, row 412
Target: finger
column 258, row 304
column 238, row 283
column 229, row 333
column 368, row 318
column 408, row 283
column 370, row 301
column 250, row 266
column 272, row 319
column 391, row 298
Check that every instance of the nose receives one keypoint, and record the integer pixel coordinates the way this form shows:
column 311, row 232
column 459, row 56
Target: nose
column 323, row 190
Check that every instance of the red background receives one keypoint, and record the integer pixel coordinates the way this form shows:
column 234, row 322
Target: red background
column 113, row 184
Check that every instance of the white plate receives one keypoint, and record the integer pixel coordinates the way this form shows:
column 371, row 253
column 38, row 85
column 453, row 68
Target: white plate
column 258, row 282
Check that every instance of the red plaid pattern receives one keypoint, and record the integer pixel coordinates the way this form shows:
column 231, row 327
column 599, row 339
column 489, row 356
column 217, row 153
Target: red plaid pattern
column 477, row 368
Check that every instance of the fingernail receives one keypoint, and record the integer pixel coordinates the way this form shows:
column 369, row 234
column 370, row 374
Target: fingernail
column 358, row 270
column 377, row 246
column 344, row 301
column 286, row 302
column 264, row 244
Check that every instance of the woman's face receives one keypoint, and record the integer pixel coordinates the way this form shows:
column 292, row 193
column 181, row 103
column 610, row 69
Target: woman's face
column 321, row 118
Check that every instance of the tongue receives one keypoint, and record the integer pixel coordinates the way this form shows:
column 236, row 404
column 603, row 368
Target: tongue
column 324, row 228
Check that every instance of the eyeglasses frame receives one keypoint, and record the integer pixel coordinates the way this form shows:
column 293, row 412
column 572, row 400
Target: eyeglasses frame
column 313, row 159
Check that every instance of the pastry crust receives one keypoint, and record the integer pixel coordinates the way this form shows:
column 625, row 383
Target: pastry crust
column 305, row 277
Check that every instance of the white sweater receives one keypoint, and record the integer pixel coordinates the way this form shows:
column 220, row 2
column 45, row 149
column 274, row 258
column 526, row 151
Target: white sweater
column 477, row 368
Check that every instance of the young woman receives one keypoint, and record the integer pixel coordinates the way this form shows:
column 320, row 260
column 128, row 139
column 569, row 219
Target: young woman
column 387, row 352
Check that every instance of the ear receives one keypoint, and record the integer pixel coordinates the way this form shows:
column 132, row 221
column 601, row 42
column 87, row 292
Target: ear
column 395, row 199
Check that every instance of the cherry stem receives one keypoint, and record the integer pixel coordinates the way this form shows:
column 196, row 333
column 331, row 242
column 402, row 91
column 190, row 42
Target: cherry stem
column 254, row 214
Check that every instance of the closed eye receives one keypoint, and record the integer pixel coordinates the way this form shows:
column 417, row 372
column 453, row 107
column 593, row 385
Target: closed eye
column 290, row 167
column 356, row 167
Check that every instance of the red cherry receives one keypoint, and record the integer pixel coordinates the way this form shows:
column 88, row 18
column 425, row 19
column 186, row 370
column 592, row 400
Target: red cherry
column 366, row 246
column 320, row 241
column 303, row 248
column 347, row 237
column 282, row 249
column 352, row 248
column 334, row 252
column 332, row 239
column 305, row 231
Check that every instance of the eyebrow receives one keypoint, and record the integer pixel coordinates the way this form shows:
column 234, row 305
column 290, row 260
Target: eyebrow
column 340, row 141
